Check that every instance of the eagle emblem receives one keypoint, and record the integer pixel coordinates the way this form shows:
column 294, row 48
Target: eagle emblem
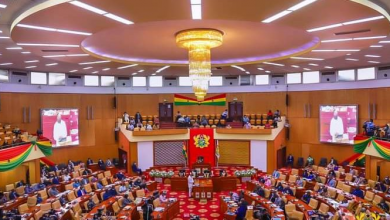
column 201, row 141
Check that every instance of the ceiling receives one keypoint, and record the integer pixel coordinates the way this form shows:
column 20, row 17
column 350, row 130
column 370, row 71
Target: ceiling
column 150, row 40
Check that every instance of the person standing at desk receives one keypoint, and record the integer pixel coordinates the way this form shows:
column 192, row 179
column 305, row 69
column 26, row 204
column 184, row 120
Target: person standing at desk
column 190, row 185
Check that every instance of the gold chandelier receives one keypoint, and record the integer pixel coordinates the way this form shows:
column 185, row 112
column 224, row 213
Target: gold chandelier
column 199, row 43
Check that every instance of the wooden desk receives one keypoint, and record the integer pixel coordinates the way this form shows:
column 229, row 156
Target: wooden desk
column 265, row 203
column 151, row 186
column 129, row 212
column 226, row 210
column 224, row 183
column 179, row 184
column 106, row 204
column 14, row 204
column 203, row 189
column 171, row 210
column 201, row 166
column 94, row 167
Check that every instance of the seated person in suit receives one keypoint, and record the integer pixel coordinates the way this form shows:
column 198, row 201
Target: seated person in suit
column 380, row 187
column 288, row 191
column 106, row 195
column 235, row 197
column 112, row 191
column 273, row 195
column 3, row 198
column 135, row 169
column 260, row 191
column 84, row 181
column 332, row 182
column 122, row 188
column 39, row 198
column 86, row 172
column 241, row 211
column 386, row 180
column 20, row 183
column 163, row 197
column 299, row 182
column 101, row 164
column 89, row 161
column 99, row 185
column 63, row 200
column 55, row 180
column 13, row 195
column 126, row 200
column 91, row 204
column 120, row 176
column 383, row 205
column 28, row 189
column 358, row 192
column 279, row 187
column 53, row 191
column 276, row 174
column 76, row 184
column 306, row 197
column 109, row 163
column 39, row 186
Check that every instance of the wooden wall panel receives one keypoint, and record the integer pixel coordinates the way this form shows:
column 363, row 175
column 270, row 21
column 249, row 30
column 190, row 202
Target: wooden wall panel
column 234, row 152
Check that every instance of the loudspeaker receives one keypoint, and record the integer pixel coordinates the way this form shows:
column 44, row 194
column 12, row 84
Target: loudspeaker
column 328, row 77
column 114, row 102
column 286, row 99
column 383, row 72
column 278, row 80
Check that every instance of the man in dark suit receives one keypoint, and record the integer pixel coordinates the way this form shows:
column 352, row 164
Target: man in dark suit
column 89, row 161
column 101, row 164
column 290, row 161
column 138, row 118
column 13, row 195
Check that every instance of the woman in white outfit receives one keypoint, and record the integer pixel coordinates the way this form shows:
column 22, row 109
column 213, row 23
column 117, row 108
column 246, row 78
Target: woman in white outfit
column 190, row 184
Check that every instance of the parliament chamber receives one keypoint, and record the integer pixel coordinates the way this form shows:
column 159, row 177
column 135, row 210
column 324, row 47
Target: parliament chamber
column 194, row 109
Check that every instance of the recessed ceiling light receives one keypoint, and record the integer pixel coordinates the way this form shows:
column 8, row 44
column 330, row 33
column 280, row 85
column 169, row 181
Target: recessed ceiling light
column 306, row 58
column 374, row 62
column 384, row 42
column 47, row 45
column 313, row 64
column 88, row 7
column 338, row 50
column 30, row 67
column 350, row 59
column 25, row 52
column 268, row 71
column 374, row 46
column 77, row 55
column 53, row 29
column 328, row 67
column 5, row 64
column 95, row 62
column 69, row 55
column 140, row 71
column 260, row 68
column 369, row 38
column 153, row 74
column 275, row 64
column 94, row 72
column 51, row 64
column 363, row 20
column 14, row 48
column 101, row 12
column 196, row 11
column 106, row 69
column 376, row 56
column 124, row 67
column 117, row 18
column 238, row 67
column 72, row 71
column 295, row 66
column 307, row 69
column 31, row 61
column 3, row 37
column 134, row 74
column 3, row 6
column 288, row 11
column 336, row 40
column 87, row 68
column 348, row 54
column 247, row 72
column 162, row 69
column 345, row 23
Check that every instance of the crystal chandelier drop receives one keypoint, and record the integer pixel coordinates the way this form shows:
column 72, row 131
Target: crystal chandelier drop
column 199, row 42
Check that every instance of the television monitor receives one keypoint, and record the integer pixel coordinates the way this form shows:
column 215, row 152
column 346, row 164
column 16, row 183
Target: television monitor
column 338, row 123
column 60, row 126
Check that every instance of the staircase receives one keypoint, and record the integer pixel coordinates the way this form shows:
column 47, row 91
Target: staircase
column 167, row 125
column 236, row 124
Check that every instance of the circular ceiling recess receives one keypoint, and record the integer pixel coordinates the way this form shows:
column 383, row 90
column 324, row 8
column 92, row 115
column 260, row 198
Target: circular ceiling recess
column 154, row 42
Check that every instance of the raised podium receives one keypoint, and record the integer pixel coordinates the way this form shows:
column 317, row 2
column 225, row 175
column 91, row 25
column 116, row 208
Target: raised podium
column 201, row 167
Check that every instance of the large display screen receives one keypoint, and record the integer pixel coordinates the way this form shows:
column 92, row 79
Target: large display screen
column 60, row 126
column 338, row 123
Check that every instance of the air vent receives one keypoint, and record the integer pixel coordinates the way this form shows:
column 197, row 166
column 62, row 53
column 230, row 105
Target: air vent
column 231, row 77
column 277, row 76
column 328, row 73
column 384, row 68
column 74, row 77
column 352, row 32
column 55, row 51
column 170, row 78
column 123, row 78
column 19, row 73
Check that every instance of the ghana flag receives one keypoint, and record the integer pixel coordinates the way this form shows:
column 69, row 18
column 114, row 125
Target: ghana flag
column 218, row 100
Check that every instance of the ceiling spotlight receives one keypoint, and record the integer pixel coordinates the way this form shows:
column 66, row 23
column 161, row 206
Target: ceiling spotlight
column 328, row 67
column 124, row 67
column 87, row 68
column 350, row 59
column 295, row 66
column 374, row 62
column 375, row 56
column 376, row 46
column 14, row 48
column 51, row 64
column 106, row 69
column 31, row 61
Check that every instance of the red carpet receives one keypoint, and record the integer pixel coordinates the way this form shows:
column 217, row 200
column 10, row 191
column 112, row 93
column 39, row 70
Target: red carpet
column 209, row 211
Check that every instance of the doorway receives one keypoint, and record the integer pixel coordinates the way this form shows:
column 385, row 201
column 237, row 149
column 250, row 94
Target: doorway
column 236, row 111
column 281, row 157
column 165, row 111
column 123, row 160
